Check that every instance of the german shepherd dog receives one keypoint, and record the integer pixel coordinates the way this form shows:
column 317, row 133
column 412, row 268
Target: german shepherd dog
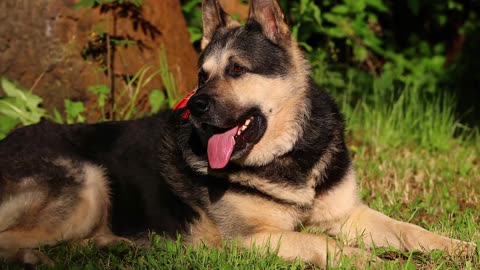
column 257, row 153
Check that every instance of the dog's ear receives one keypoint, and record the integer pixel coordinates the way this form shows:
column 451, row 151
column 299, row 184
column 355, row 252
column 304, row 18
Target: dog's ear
column 270, row 16
column 213, row 18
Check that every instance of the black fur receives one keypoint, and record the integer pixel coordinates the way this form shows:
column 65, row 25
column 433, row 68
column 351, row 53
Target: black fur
column 266, row 57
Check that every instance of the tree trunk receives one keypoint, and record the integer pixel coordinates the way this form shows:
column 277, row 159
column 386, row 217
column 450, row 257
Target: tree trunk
column 59, row 52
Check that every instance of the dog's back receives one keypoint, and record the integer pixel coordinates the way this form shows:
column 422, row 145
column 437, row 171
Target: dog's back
column 67, row 182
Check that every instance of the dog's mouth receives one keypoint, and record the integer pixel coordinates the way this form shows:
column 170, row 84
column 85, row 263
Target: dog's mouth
column 233, row 142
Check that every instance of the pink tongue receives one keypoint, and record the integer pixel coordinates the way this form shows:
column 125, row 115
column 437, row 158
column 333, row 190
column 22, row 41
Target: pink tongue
column 220, row 148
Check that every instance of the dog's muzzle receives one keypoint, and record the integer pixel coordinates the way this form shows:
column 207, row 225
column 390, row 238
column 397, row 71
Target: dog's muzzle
column 200, row 104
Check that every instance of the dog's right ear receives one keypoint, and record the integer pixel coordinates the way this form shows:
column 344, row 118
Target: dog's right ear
column 213, row 18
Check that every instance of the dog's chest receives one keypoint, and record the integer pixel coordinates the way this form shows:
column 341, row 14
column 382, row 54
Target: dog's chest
column 241, row 213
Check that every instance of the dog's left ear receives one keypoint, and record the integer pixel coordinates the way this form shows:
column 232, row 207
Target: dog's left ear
column 270, row 16
column 213, row 18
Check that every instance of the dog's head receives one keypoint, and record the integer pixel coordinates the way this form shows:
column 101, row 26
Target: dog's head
column 252, row 82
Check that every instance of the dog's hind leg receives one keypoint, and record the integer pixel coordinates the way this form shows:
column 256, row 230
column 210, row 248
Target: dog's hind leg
column 35, row 215
column 18, row 232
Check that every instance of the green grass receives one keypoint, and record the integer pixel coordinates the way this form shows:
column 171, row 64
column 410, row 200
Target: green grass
column 414, row 163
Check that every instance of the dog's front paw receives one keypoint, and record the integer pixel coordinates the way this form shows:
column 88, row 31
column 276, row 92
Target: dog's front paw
column 463, row 249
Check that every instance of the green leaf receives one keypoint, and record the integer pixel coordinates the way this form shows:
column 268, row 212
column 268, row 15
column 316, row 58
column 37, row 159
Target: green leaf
column 377, row 4
column 7, row 124
column 157, row 100
column 307, row 47
column 295, row 29
column 9, row 88
column 356, row 5
column 360, row 52
column 84, row 4
column 442, row 19
column 334, row 18
column 123, row 42
column 57, row 116
column 340, row 9
column 27, row 102
column 336, row 32
column 414, row 6
column 303, row 5
column 316, row 13
column 195, row 34
column 74, row 109
column 102, row 91
column 10, row 107
column 190, row 5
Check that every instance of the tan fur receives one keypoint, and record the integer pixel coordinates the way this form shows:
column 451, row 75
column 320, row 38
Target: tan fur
column 91, row 212
column 255, row 212
column 376, row 229
column 29, row 220
column 331, row 209
column 204, row 231
column 317, row 249
column 13, row 208
column 297, row 195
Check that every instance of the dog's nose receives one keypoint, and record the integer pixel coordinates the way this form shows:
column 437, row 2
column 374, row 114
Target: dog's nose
column 200, row 104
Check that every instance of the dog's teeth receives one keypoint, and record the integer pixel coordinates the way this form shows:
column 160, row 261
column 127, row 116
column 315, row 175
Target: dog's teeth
column 239, row 132
column 247, row 122
column 244, row 127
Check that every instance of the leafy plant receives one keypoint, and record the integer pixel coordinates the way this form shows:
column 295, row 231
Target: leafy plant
column 139, row 81
column 18, row 106
column 73, row 111
column 168, row 80
column 193, row 15
column 102, row 92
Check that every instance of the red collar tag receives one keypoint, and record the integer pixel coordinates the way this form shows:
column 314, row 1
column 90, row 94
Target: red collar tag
column 183, row 103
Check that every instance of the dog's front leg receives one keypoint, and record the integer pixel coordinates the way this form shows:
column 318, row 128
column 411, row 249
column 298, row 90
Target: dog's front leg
column 312, row 248
column 377, row 229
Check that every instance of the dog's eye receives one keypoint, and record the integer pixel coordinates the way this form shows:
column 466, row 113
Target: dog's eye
column 236, row 70
column 202, row 77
